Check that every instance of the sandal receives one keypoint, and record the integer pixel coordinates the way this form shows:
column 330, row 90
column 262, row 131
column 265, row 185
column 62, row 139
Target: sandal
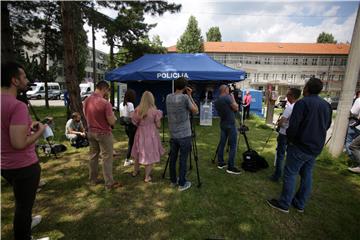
column 149, row 180
column 134, row 174
column 113, row 186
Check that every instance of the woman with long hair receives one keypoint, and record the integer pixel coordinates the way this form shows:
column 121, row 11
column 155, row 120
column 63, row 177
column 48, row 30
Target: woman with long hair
column 147, row 148
column 126, row 111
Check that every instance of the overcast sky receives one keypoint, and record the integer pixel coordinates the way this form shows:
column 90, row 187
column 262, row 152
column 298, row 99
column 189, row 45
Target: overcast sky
column 241, row 21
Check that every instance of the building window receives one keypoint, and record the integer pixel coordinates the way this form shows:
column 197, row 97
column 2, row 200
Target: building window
column 295, row 61
column 285, row 61
column 314, row 61
column 305, row 61
column 324, row 61
column 343, row 62
column 257, row 60
column 341, row 77
column 283, row 76
column 274, row 76
column 266, row 76
column 267, row 60
column 331, row 77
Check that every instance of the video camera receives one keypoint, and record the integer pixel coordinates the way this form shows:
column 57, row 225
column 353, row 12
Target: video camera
column 236, row 92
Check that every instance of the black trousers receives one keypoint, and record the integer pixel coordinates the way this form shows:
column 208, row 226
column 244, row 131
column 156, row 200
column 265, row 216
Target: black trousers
column 246, row 112
column 25, row 182
column 130, row 132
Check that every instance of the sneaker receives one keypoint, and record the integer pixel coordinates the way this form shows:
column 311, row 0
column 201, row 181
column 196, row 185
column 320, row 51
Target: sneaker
column 128, row 162
column 186, row 186
column 354, row 169
column 221, row 165
column 42, row 183
column 300, row 210
column 275, row 204
column 35, row 221
column 44, row 238
column 233, row 170
column 273, row 178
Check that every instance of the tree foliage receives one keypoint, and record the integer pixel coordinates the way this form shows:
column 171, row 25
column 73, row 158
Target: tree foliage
column 213, row 35
column 326, row 38
column 191, row 40
column 140, row 48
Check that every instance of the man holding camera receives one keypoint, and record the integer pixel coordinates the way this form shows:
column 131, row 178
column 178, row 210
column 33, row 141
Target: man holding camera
column 100, row 118
column 179, row 105
column 292, row 95
column 75, row 131
column 226, row 107
column 309, row 121
column 19, row 163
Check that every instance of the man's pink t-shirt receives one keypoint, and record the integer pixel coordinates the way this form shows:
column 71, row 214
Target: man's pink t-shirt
column 15, row 112
column 96, row 109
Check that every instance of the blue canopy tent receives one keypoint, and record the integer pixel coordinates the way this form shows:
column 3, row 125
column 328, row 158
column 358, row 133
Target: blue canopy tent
column 156, row 72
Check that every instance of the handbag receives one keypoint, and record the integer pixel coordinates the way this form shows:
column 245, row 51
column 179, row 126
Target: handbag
column 125, row 121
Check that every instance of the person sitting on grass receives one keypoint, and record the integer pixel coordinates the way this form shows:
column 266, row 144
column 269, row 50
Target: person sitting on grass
column 147, row 148
column 75, row 131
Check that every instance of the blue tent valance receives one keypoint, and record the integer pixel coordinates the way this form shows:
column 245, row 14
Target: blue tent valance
column 165, row 67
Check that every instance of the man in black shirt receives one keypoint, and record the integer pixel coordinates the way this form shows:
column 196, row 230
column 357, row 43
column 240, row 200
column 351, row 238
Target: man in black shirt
column 310, row 119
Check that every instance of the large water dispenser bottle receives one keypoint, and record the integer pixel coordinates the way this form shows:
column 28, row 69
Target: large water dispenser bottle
column 206, row 114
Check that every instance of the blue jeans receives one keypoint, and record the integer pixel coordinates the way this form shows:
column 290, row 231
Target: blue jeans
column 184, row 145
column 231, row 133
column 297, row 162
column 352, row 133
column 280, row 154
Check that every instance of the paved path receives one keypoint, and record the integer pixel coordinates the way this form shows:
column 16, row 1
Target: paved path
column 52, row 103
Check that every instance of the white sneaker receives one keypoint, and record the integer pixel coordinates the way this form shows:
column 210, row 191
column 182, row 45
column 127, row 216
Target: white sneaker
column 42, row 183
column 354, row 169
column 128, row 162
column 35, row 221
column 44, row 238
column 186, row 186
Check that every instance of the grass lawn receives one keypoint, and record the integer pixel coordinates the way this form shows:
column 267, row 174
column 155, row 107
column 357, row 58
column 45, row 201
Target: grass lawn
column 225, row 207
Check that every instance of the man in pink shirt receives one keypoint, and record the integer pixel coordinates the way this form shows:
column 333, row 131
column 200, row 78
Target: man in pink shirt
column 19, row 163
column 100, row 118
column 247, row 102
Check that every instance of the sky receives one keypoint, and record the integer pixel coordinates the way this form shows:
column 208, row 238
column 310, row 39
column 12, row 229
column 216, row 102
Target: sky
column 255, row 21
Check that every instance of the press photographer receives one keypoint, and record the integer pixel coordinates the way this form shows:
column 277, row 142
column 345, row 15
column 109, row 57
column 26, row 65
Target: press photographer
column 179, row 106
column 19, row 163
column 226, row 107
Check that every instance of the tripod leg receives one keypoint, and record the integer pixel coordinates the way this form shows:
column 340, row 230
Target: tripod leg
column 166, row 166
column 196, row 163
column 216, row 153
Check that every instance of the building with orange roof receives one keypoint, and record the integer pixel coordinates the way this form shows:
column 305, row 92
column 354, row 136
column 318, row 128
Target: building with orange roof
column 283, row 65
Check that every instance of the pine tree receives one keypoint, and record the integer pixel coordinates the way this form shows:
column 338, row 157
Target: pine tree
column 191, row 40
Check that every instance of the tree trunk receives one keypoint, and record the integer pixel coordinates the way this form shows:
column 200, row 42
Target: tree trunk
column 45, row 70
column 112, row 66
column 7, row 45
column 69, row 9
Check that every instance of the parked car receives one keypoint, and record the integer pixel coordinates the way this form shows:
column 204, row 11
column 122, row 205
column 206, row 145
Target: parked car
column 38, row 91
column 280, row 102
column 334, row 102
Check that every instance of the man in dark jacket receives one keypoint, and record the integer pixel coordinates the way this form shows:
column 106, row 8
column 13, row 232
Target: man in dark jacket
column 310, row 119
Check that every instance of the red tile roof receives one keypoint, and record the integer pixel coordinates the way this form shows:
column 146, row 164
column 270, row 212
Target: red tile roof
column 274, row 48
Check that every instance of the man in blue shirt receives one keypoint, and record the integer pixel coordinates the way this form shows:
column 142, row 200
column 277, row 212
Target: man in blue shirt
column 309, row 121
column 226, row 107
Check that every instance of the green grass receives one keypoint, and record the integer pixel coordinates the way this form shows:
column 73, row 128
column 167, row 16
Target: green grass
column 225, row 207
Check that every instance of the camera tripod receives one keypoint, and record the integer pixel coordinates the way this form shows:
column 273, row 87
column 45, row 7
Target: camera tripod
column 22, row 97
column 193, row 151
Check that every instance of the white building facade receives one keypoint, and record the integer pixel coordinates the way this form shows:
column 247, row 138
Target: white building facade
column 283, row 65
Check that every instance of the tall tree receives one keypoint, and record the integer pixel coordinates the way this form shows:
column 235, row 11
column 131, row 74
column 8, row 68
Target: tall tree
column 191, row 40
column 213, row 35
column 71, row 14
column 326, row 38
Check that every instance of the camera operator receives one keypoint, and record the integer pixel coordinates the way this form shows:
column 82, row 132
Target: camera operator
column 226, row 107
column 19, row 163
column 75, row 131
column 353, row 128
column 292, row 95
column 179, row 105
